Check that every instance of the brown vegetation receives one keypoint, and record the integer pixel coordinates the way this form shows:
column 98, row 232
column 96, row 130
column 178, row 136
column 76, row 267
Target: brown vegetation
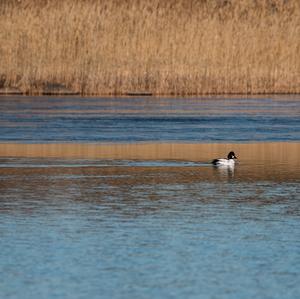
column 163, row 47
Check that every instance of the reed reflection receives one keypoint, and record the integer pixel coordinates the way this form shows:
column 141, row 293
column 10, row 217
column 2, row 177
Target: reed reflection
column 267, row 152
column 132, row 191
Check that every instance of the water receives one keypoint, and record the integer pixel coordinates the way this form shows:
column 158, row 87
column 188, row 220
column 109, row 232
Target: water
column 50, row 119
column 71, row 229
column 149, row 228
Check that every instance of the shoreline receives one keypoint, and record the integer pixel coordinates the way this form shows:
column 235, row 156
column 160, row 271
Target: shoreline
column 12, row 92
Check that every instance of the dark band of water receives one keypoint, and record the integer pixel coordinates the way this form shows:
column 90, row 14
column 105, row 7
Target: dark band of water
column 50, row 119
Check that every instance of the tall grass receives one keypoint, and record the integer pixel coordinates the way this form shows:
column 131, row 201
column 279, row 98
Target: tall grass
column 160, row 46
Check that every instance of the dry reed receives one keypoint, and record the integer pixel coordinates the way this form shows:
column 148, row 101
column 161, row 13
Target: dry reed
column 174, row 47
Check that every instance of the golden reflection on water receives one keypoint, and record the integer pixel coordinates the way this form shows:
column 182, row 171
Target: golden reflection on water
column 278, row 152
column 263, row 172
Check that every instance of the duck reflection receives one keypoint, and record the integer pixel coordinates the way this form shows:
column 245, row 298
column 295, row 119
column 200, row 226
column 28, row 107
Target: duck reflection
column 225, row 170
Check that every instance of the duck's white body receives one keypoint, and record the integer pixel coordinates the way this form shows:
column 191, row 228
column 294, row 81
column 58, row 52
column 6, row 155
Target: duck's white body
column 230, row 161
column 225, row 162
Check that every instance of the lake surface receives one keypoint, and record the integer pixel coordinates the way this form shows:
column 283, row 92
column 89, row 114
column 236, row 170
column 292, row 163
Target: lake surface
column 51, row 119
column 83, row 219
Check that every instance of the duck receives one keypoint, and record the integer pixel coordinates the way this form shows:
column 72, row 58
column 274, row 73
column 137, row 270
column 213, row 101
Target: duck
column 229, row 161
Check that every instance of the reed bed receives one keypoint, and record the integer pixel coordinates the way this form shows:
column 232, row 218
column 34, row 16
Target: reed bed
column 171, row 47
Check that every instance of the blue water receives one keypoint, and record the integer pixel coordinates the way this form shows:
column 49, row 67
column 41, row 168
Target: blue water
column 77, row 228
column 50, row 119
column 90, row 229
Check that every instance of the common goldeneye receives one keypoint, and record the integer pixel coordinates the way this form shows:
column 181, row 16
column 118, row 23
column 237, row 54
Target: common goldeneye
column 229, row 161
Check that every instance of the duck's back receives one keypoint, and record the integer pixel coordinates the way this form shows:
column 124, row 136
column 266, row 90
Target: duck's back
column 223, row 162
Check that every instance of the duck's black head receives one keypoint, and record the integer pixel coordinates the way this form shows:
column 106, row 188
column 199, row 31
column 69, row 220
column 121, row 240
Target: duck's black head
column 232, row 155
